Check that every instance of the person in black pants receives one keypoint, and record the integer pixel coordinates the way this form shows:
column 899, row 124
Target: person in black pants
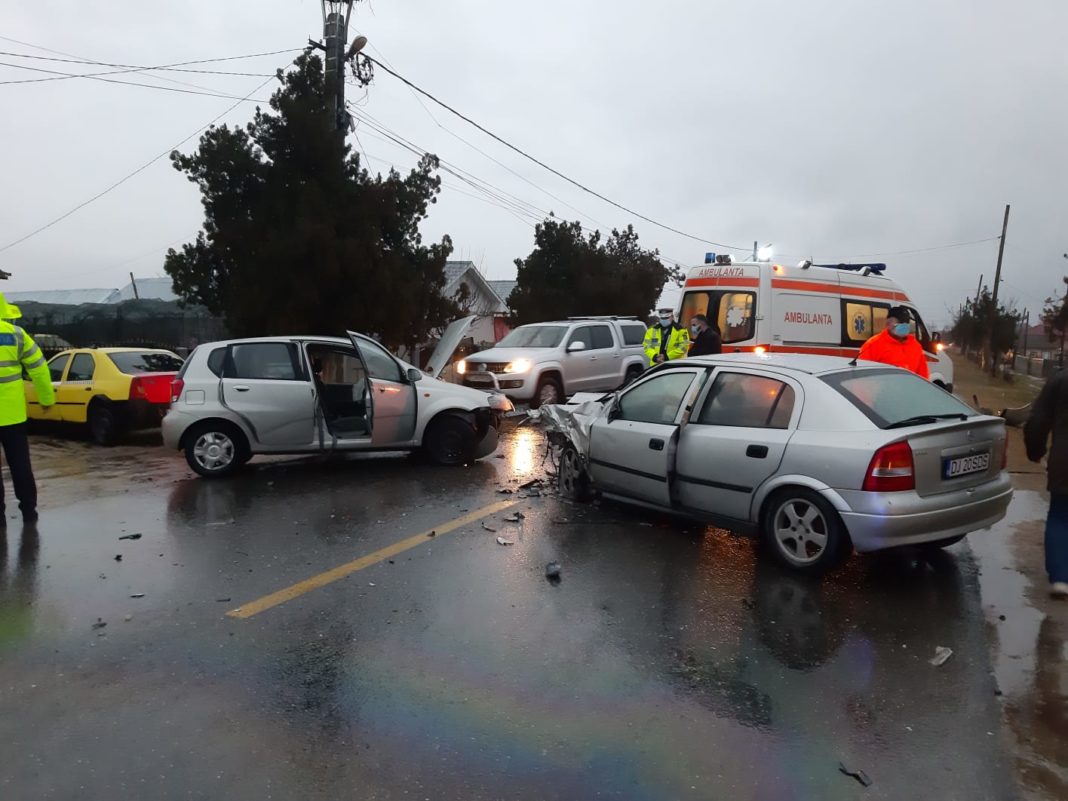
column 16, row 445
column 706, row 338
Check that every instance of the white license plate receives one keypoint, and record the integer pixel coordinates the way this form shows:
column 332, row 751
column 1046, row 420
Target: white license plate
column 965, row 465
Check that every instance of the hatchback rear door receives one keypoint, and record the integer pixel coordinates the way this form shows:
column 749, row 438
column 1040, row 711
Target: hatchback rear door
column 267, row 385
column 632, row 449
column 735, row 441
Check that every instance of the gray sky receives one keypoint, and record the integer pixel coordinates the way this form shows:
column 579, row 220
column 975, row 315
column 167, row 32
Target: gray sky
column 831, row 128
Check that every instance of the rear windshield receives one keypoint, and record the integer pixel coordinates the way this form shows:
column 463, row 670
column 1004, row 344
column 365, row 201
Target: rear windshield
column 534, row 336
column 892, row 397
column 132, row 362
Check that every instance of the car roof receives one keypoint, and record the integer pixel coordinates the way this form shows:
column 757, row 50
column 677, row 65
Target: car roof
column 282, row 338
column 797, row 362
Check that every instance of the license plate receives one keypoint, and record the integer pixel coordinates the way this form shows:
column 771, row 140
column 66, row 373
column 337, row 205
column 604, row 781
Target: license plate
column 965, row 465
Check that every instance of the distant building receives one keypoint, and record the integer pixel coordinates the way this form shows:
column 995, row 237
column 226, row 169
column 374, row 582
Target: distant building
column 65, row 297
column 482, row 299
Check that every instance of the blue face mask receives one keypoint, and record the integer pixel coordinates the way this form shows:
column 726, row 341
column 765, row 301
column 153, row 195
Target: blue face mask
column 695, row 329
column 665, row 321
column 901, row 330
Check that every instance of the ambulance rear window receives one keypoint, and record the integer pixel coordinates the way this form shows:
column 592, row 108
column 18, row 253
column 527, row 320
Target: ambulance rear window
column 731, row 312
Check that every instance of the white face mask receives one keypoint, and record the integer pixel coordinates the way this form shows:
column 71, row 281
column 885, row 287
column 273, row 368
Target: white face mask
column 665, row 321
column 695, row 329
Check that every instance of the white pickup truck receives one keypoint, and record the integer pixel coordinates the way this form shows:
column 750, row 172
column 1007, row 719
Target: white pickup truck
column 545, row 362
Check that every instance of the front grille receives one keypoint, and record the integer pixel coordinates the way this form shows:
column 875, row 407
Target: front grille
column 486, row 367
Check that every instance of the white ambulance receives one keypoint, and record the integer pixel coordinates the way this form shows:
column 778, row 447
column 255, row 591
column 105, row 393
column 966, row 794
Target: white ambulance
column 811, row 308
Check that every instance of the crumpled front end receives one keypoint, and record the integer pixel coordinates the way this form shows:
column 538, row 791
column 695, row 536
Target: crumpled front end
column 571, row 422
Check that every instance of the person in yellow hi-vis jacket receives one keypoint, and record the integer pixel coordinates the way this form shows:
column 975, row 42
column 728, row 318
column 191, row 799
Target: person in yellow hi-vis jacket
column 665, row 340
column 19, row 352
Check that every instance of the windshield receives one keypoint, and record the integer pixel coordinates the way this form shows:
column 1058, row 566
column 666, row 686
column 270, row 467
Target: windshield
column 890, row 397
column 534, row 336
column 146, row 362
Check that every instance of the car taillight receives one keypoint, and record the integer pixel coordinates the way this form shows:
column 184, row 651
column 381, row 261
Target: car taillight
column 891, row 469
column 177, row 385
column 137, row 388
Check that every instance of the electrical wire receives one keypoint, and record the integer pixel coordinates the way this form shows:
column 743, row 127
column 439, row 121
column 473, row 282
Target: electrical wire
column 178, row 67
column 132, row 83
column 925, row 250
column 127, row 177
column 545, row 166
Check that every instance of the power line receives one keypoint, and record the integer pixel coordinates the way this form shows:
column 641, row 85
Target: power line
column 126, row 83
column 926, row 250
column 542, row 164
column 140, row 169
column 178, row 67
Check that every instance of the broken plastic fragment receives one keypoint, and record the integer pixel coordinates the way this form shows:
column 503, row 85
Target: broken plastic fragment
column 99, row 623
column 130, row 537
column 942, row 655
column 503, row 541
column 489, row 528
column 859, row 775
column 552, row 570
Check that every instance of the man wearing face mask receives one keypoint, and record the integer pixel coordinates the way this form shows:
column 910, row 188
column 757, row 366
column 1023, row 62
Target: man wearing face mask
column 896, row 345
column 665, row 340
column 706, row 339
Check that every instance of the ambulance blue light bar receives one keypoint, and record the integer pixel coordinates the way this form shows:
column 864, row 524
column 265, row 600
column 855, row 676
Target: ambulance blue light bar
column 878, row 267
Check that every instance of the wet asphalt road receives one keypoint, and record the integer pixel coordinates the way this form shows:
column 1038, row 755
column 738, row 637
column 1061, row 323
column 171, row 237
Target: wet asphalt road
column 669, row 661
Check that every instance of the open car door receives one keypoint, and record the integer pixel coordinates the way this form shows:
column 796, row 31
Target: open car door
column 632, row 448
column 450, row 340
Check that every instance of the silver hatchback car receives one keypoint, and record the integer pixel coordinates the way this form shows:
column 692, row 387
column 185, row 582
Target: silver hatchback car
column 815, row 454
column 309, row 394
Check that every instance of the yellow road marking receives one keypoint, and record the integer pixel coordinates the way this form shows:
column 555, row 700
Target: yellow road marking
column 339, row 572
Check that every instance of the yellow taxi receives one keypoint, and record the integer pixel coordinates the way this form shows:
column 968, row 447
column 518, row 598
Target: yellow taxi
column 108, row 390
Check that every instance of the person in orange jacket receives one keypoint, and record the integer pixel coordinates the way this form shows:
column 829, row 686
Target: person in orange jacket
column 896, row 345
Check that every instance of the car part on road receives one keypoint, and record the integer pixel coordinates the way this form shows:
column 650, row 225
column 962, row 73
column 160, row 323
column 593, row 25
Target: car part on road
column 552, row 572
column 859, row 775
column 450, row 440
column 503, row 541
column 130, row 537
column 215, row 449
column 803, row 531
column 942, row 655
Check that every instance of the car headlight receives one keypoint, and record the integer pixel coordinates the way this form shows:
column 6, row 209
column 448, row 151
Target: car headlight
column 461, row 367
column 499, row 403
column 518, row 366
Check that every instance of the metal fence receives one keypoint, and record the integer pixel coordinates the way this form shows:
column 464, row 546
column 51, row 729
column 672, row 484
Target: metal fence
column 1038, row 367
column 132, row 323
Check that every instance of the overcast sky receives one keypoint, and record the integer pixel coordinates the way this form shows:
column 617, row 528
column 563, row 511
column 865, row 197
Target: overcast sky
column 831, row 128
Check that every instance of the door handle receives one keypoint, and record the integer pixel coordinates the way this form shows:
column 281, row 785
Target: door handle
column 241, row 388
column 757, row 451
column 88, row 389
column 656, row 444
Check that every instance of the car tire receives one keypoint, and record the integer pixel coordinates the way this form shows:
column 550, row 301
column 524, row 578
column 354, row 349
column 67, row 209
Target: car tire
column 214, row 450
column 634, row 372
column 450, row 441
column 803, row 531
column 572, row 478
column 548, row 392
column 103, row 427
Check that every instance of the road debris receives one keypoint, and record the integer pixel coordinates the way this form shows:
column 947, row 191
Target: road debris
column 222, row 600
column 432, row 534
column 503, row 541
column 552, row 571
column 130, row 537
column 859, row 775
column 942, row 655
column 534, row 482
column 137, row 595
column 100, row 623
column 118, row 557
column 489, row 528
column 505, row 491
column 128, row 618
column 517, row 517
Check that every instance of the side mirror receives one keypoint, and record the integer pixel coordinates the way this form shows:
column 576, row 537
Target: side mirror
column 414, row 375
column 936, row 336
column 575, row 347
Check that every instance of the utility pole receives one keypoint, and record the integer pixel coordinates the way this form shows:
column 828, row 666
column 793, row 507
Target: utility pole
column 336, row 15
column 994, row 304
column 975, row 310
column 755, row 248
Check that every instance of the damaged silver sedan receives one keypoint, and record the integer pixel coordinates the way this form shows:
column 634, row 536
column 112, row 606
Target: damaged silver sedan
column 816, row 455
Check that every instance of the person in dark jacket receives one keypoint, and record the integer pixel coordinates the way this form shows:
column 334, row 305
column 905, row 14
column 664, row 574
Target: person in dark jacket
column 706, row 338
column 1050, row 416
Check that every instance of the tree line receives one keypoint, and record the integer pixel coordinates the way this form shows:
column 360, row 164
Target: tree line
column 298, row 236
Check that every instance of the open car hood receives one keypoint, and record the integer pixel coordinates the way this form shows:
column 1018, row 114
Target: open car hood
column 450, row 340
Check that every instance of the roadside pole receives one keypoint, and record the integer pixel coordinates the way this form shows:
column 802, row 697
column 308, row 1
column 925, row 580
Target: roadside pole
column 994, row 304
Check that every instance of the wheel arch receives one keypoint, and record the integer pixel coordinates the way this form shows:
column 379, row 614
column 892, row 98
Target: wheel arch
column 776, row 484
column 214, row 420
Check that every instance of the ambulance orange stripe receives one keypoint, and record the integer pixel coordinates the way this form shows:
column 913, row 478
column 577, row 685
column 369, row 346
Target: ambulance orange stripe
column 836, row 289
column 728, row 283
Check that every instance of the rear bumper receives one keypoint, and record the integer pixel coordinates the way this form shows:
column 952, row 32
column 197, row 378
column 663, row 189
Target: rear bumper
column 877, row 521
